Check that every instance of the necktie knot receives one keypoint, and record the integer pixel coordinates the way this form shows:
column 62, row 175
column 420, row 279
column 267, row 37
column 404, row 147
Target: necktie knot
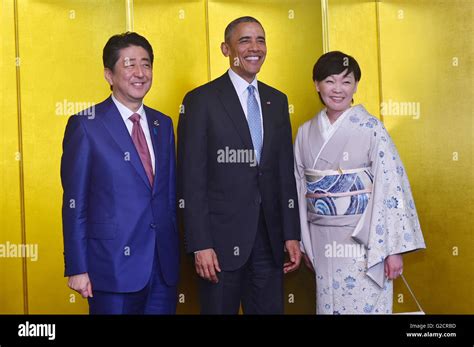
column 135, row 118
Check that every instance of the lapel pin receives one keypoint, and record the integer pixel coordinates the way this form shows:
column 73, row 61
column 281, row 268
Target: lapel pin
column 156, row 123
column 268, row 102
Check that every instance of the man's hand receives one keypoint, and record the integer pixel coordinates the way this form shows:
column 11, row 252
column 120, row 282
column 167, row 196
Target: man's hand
column 307, row 262
column 81, row 284
column 294, row 253
column 206, row 264
column 393, row 266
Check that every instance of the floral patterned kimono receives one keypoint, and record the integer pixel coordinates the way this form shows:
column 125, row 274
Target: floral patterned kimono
column 356, row 208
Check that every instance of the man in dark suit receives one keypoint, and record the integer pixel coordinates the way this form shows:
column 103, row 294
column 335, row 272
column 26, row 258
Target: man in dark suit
column 118, row 175
column 236, row 182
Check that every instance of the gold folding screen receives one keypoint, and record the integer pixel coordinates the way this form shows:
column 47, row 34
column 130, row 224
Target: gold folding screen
column 11, row 273
column 407, row 59
column 427, row 63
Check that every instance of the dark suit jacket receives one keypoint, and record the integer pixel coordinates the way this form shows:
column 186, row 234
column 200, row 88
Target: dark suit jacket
column 222, row 200
column 112, row 217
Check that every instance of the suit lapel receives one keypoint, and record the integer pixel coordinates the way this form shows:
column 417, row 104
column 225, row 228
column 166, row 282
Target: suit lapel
column 231, row 102
column 156, row 134
column 267, row 111
column 113, row 122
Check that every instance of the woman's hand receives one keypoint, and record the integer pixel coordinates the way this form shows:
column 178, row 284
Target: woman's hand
column 393, row 266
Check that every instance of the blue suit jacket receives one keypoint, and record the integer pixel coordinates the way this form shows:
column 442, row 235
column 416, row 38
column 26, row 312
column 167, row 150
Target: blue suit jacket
column 112, row 217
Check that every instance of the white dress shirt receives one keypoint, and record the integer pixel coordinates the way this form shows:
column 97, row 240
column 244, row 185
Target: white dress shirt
column 125, row 112
column 241, row 86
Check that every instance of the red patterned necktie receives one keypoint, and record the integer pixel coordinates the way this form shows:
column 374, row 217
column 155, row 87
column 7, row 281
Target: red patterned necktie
column 138, row 137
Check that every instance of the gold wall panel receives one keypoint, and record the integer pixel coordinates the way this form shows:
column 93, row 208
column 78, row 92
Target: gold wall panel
column 427, row 62
column 11, row 275
column 177, row 33
column 353, row 30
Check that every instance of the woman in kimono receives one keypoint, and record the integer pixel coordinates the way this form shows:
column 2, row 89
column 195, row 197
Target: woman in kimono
column 356, row 207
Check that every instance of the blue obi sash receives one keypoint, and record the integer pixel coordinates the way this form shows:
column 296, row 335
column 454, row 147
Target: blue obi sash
column 336, row 193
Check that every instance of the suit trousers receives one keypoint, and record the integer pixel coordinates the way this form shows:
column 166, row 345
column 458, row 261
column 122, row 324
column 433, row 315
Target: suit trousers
column 258, row 285
column 155, row 298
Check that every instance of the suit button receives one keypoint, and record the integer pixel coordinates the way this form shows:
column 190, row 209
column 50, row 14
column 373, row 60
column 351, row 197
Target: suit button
column 258, row 201
column 153, row 225
column 260, row 173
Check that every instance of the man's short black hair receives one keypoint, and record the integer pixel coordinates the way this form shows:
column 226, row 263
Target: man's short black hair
column 113, row 46
column 231, row 26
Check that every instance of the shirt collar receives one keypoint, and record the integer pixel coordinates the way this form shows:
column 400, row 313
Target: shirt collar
column 125, row 112
column 240, row 84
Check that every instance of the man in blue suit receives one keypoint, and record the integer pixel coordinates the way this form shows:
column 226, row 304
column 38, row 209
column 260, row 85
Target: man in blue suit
column 119, row 203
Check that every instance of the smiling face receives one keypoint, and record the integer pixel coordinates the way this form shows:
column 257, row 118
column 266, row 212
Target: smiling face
column 246, row 49
column 337, row 92
column 131, row 77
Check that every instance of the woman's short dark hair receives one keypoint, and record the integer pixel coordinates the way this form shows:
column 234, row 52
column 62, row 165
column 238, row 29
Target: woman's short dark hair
column 112, row 48
column 333, row 63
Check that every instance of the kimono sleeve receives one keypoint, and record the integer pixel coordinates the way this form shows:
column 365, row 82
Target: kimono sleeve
column 305, row 243
column 394, row 226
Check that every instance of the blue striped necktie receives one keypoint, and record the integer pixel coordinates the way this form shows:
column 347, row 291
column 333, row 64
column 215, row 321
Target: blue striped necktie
column 254, row 120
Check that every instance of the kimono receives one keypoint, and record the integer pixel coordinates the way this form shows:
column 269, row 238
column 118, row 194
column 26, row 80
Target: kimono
column 356, row 208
